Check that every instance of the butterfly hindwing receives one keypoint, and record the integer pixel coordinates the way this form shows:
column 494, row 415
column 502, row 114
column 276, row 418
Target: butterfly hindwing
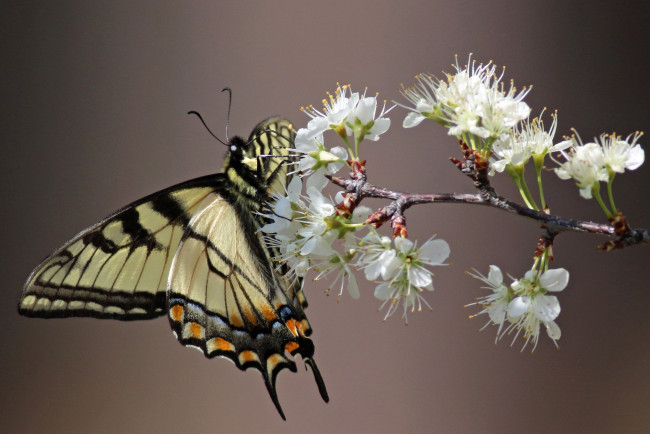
column 118, row 268
column 222, row 298
column 225, row 297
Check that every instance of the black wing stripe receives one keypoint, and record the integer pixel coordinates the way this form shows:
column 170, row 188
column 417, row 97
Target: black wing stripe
column 169, row 208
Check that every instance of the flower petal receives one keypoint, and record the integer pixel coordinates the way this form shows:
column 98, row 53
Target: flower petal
column 554, row 280
column 419, row 277
column 352, row 287
column 553, row 330
column 412, row 119
column 518, row 306
column 383, row 291
column 495, row 276
column 497, row 312
column 635, row 158
column 546, row 308
column 434, row 252
column 402, row 244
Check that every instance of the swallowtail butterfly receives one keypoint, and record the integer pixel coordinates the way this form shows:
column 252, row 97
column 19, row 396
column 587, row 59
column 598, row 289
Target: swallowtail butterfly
column 193, row 252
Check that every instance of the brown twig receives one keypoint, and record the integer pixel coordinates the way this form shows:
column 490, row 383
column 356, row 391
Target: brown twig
column 359, row 188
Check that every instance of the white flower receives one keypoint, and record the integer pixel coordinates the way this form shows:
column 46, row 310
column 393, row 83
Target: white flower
column 309, row 235
column 400, row 291
column 495, row 304
column 472, row 101
column 586, row 165
column 622, row 154
column 314, row 157
column 527, row 139
column 314, row 223
column 538, row 139
column 348, row 113
column 342, row 251
column 531, row 307
column 299, row 228
column 408, row 277
column 508, row 151
column 339, row 264
column 335, row 111
column 433, row 252
column 378, row 256
column 599, row 160
column 364, row 113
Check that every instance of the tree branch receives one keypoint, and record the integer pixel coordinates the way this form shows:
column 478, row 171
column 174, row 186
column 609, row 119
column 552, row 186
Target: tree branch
column 402, row 201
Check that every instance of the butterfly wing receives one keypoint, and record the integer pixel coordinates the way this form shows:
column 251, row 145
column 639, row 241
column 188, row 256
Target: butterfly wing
column 118, row 268
column 192, row 251
column 224, row 297
column 274, row 136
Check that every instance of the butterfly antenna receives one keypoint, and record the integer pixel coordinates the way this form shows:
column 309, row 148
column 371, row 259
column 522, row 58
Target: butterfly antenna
column 229, row 105
column 208, row 128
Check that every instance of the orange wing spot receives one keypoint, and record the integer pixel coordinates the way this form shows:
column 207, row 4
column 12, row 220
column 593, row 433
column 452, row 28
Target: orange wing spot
column 196, row 330
column 236, row 321
column 176, row 313
column 268, row 313
column 291, row 325
column 304, row 325
column 223, row 344
column 291, row 346
column 248, row 356
column 273, row 360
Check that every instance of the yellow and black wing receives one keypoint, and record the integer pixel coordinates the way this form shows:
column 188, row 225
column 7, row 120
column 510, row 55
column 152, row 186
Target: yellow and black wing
column 225, row 299
column 193, row 251
column 119, row 267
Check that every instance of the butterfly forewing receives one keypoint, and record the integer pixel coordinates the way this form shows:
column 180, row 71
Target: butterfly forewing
column 118, row 268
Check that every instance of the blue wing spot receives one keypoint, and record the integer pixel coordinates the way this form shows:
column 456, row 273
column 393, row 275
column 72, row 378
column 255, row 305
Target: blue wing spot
column 286, row 313
column 240, row 333
column 218, row 320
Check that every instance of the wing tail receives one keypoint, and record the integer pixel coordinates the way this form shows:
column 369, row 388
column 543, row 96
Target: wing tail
column 319, row 379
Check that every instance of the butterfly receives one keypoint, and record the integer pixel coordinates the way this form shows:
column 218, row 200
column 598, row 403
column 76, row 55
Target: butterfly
column 193, row 252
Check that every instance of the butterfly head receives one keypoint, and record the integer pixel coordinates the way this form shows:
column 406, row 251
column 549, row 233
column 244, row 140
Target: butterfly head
column 237, row 147
column 242, row 154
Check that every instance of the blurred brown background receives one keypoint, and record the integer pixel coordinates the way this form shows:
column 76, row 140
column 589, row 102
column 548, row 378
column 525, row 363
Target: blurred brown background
column 94, row 101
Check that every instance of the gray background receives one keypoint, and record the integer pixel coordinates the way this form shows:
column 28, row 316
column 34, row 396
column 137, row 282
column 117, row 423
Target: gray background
column 94, row 96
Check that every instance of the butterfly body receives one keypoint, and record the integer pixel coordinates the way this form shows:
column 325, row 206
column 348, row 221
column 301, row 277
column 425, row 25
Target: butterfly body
column 193, row 252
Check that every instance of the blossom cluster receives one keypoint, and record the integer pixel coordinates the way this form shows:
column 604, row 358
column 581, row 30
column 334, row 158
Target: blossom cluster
column 524, row 304
column 598, row 161
column 475, row 107
column 312, row 233
column 472, row 103
column 311, row 236
column 529, row 139
column 337, row 239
